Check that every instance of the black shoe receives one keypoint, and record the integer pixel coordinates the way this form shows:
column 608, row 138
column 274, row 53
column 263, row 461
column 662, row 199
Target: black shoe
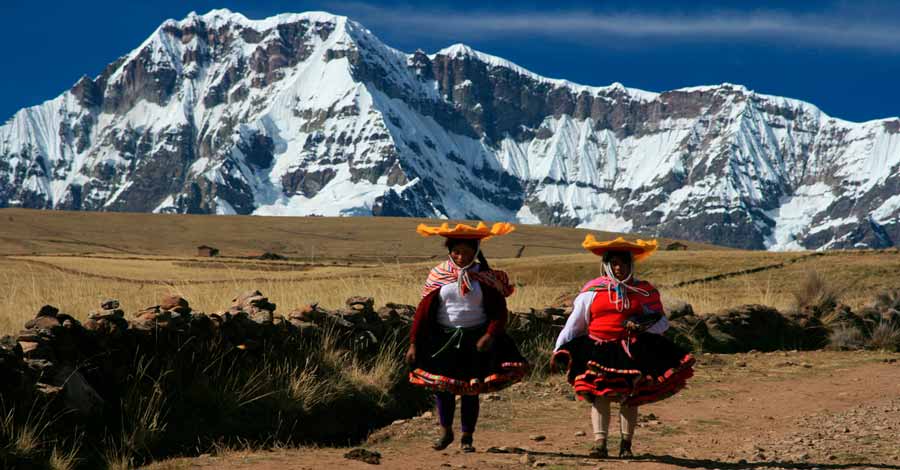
column 625, row 450
column 599, row 451
column 443, row 441
column 465, row 444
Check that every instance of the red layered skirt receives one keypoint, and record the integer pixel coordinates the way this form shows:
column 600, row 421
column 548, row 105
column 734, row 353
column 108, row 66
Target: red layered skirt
column 642, row 369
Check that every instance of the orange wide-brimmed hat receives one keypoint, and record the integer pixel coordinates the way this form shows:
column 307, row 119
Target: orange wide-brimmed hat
column 479, row 232
column 639, row 249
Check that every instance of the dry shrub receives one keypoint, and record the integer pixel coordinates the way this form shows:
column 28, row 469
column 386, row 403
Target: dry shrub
column 885, row 335
column 815, row 293
column 846, row 337
column 65, row 457
column 23, row 435
column 306, row 385
column 888, row 300
column 538, row 350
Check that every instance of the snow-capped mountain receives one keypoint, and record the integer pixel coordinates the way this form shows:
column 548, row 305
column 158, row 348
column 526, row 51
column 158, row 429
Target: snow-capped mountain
column 310, row 113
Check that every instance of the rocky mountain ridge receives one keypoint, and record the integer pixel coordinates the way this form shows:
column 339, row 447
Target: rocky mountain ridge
column 302, row 114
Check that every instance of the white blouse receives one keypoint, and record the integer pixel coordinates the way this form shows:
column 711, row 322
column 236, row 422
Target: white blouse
column 577, row 324
column 457, row 310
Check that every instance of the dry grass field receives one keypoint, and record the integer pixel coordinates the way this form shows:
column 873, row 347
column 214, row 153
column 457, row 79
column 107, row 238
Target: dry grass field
column 75, row 260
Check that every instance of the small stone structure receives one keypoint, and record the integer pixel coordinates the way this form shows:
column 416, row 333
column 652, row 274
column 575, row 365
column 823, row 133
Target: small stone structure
column 206, row 251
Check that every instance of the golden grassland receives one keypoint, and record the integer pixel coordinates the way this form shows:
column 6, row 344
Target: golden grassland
column 309, row 239
column 75, row 260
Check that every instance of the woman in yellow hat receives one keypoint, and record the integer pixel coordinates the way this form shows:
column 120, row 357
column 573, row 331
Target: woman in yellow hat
column 458, row 344
column 612, row 345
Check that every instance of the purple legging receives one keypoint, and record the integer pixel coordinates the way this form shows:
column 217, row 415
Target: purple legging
column 446, row 406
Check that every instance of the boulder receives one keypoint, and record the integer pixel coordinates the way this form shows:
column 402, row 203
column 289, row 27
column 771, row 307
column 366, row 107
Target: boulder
column 361, row 303
column 252, row 300
column 10, row 350
column 310, row 313
column 47, row 311
column 69, row 322
column 44, row 322
column 388, row 314
column 263, row 317
column 37, row 350
column 172, row 301
column 407, row 312
column 107, row 314
column 805, row 332
column 689, row 332
column 676, row 308
column 78, row 394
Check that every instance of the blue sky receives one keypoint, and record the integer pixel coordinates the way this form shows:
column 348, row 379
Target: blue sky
column 843, row 56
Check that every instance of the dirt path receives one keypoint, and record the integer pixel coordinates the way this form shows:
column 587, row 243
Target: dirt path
column 827, row 410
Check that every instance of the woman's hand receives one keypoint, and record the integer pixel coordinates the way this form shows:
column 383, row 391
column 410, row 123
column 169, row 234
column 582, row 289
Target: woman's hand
column 484, row 343
column 631, row 326
column 411, row 354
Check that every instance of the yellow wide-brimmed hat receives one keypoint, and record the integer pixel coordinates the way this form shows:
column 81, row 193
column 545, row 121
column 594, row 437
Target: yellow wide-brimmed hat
column 639, row 249
column 479, row 232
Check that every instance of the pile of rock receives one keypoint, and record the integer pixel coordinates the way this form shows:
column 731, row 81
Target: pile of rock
column 537, row 323
column 41, row 361
column 746, row 328
column 173, row 312
column 58, row 356
column 255, row 305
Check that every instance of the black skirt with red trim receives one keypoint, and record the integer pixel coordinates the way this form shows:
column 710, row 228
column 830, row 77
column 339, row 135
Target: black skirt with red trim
column 448, row 363
column 645, row 369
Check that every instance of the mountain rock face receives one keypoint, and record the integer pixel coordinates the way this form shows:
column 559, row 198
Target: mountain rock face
column 310, row 113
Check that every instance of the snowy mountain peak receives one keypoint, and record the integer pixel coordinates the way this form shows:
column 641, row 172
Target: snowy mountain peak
column 224, row 17
column 310, row 113
column 461, row 51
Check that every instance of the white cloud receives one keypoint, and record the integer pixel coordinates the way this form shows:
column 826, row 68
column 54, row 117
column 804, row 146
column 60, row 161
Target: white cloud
column 830, row 29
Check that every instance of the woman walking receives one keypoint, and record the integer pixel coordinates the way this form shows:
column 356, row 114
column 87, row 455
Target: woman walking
column 458, row 344
column 612, row 345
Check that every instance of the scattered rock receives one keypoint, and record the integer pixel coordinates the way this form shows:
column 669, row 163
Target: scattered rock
column 506, row 450
column 526, row 459
column 537, row 437
column 580, row 434
column 363, row 455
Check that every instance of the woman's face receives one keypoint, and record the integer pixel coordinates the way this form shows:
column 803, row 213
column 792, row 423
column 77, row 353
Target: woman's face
column 620, row 265
column 462, row 254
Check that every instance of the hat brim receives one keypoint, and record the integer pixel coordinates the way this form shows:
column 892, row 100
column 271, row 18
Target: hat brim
column 468, row 232
column 639, row 249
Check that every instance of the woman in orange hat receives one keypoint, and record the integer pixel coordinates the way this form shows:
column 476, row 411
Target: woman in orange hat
column 458, row 344
column 612, row 345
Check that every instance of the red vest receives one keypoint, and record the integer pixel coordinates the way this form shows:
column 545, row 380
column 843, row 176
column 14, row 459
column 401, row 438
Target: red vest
column 606, row 320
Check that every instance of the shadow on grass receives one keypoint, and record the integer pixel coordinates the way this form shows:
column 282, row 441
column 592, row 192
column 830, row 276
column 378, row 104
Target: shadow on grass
column 682, row 462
